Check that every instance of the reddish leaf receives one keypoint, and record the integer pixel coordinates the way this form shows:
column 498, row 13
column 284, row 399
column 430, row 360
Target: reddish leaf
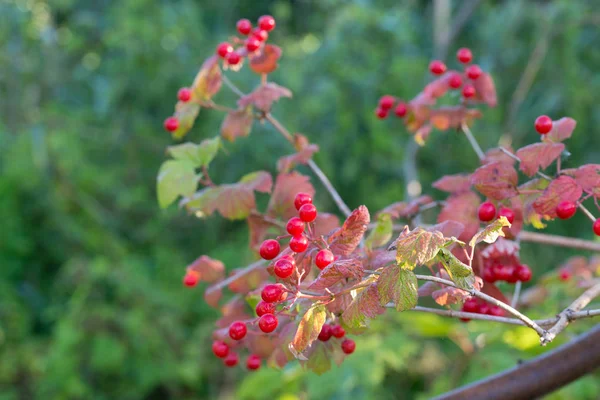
column 563, row 188
column 340, row 303
column 336, row 272
column 462, row 208
column 308, row 329
column 282, row 354
column 265, row 60
column 453, row 183
column 404, row 209
column 378, row 259
column 237, row 124
column 261, row 345
column 287, row 185
column 529, row 215
column 213, row 297
column 264, row 96
column 325, row 223
column 445, row 118
column 398, row 286
column 346, row 239
column 538, row 155
column 448, row 228
column 208, row 80
column 422, row 134
column 497, row 155
column 366, row 305
column 258, row 227
column 260, row 181
column 207, row 269
column 496, row 180
column 301, row 157
column 233, row 310
column 561, row 130
column 588, row 177
column 247, row 282
column 485, row 90
column 186, row 114
column 449, row 295
column 417, row 247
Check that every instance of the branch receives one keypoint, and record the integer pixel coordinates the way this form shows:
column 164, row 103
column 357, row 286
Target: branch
column 473, row 141
column 561, row 241
column 245, row 271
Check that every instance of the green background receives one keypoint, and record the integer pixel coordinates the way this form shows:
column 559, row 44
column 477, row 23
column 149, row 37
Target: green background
column 91, row 301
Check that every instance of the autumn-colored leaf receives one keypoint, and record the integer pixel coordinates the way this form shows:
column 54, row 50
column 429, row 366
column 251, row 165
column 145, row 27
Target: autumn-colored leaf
column 449, row 295
column 533, row 190
column 308, row 329
column 286, row 163
column 346, row 239
column 258, row 227
column 175, row 178
column 491, row 232
column 336, row 272
column 264, row 96
column 453, row 183
column 496, row 180
column 237, row 124
column 538, row 155
column 247, row 281
column 485, row 90
column 261, row 181
column 233, row 310
column 563, row 188
column 403, row 209
column 448, row 228
column 497, row 155
column 213, row 297
column 366, row 305
column 207, row 269
column 208, row 80
column 398, row 286
column 261, row 345
column 445, row 118
column 561, row 130
column 382, row 233
column 588, row 177
column 186, row 114
column 326, row 223
column 417, row 247
column 462, row 208
column 287, row 185
column 265, row 60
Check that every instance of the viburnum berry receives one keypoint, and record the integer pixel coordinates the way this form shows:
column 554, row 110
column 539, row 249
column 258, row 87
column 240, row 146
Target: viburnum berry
column 269, row 249
column 244, row 26
column 184, row 94
column 455, row 81
column 464, row 55
column 468, row 91
column 263, row 308
column 266, row 23
column 237, row 330
column 190, row 279
column 513, row 278
column 268, row 323
column 325, row 333
column 233, row 58
column 386, row 102
column 295, row 226
column 564, row 275
column 272, row 293
column 470, row 305
column 223, row 49
column 437, row 67
column 337, row 331
column 489, row 275
column 220, row 348
column 324, row 258
column 299, row 244
column 473, row 71
column 252, row 44
column 253, row 362
column 260, row 34
column 596, row 227
column 171, row 124
column 231, row 360
column 486, row 211
column 495, row 311
column 381, row 113
column 566, row 209
column 522, row 273
column 348, row 346
column 302, row 199
column 503, row 272
column 543, row 124
column 401, row 110
column 484, row 308
column 283, row 268
column 308, row 213
column 508, row 213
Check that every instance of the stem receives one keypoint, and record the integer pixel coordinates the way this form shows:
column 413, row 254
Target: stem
column 250, row 268
column 473, row 141
column 562, row 241
column 516, row 294
column 231, row 86
column 514, row 157
column 586, row 212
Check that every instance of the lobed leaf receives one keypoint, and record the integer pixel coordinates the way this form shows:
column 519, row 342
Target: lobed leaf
column 445, row 118
column 198, row 154
column 265, row 60
column 449, row 228
column 264, row 96
column 398, row 286
column 449, row 295
column 338, row 271
column 319, row 361
column 530, row 216
column 496, row 180
column 308, row 329
column 588, row 177
column 208, row 80
column 417, row 247
column 485, row 90
column 497, row 155
column 175, row 178
column 563, row 188
column 382, row 233
column 453, row 183
column 538, row 155
column 286, row 163
column 561, row 130
column 366, row 305
column 345, row 240
column 462, row 208
column 491, row 232
column 207, row 269
column 287, row 185
column 237, row 124
column 404, row 209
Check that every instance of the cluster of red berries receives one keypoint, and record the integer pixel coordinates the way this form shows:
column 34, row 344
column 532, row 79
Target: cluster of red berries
column 231, row 359
column 328, row 331
column 386, row 103
column 487, row 212
column 507, row 273
column 477, row 306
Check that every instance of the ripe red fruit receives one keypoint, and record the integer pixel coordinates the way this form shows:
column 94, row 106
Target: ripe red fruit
column 381, row 113
column 260, row 34
column 298, row 244
column 231, row 360
column 190, row 279
column 308, row 213
column 267, row 23
column 269, row 249
column 513, row 278
column 237, row 330
column 486, row 211
column 564, row 275
column 233, row 58
column 522, row 273
column 468, row 91
column 295, row 226
column 401, row 110
column 184, row 94
column 253, row 362
column 338, row 332
column 596, row 227
column 220, row 349
column 348, row 346
column 484, row 308
column 252, row 44
column 489, row 275
column 223, row 49
column 437, row 67
column 386, row 102
column 503, row 272
column 272, row 293
column 471, row 305
column 302, row 199
column 464, row 55
column 283, row 268
column 171, row 124
column 325, row 333
column 455, row 81
column 495, row 311
column 244, row 26
column 263, row 308
column 473, row 71
column 565, row 209
column 268, row 323
column 324, row 258
column 543, row 124
column 508, row 213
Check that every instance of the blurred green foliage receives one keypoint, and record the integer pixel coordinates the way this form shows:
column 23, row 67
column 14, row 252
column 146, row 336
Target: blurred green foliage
column 91, row 303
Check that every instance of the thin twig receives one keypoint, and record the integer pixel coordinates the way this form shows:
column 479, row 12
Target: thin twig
column 562, row 241
column 587, row 212
column 233, row 87
column 473, row 141
column 515, row 298
column 514, row 157
column 242, row 272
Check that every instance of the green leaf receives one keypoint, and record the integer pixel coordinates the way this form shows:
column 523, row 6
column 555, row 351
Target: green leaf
column 319, row 361
column 459, row 272
column 308, row 330
column 198, row 154
column 398, row 286
column 186, row 114
column 491, row 232
column 417, row 247
column 175, row 178
column 382, row 232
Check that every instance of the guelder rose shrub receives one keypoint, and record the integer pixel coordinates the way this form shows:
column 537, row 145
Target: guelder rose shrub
column 320, row 281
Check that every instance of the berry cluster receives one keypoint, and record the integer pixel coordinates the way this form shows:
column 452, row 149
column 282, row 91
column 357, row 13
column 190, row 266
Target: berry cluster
column 477, row 306
column 487, row 212
column 501, row 263
column 231, row 359
column 328, row 331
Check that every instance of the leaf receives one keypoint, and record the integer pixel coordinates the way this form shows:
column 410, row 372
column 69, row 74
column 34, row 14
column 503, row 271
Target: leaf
column 561, row 130
column 538, row 155
column 365, row 306
column 496, row 180
column 336, row 272
column 491, row 232
column 345, row 240
column 453, row 183
column 404, row 209
column 198, row 154
column 248, row 281
column 287, row 185
column 485, row 90
column 265, row 61
column 382, row 233
column 417, row 247
column 301, row 157
column 208, row 80
column 462, row 208
column 326, row 223
column 261, row 181
column 264, row 96
column 207, row 269
column 237, row 124
column 588, row 177
column 186, row 114
column 319, row 361
column 175, row 178
column 449, row 295
column 445, row 118
column 563, row 188
column 459, row 272
column 530, row 216
column 398, row 286
column 308, row 329
column 448, row 228
column 497, row 155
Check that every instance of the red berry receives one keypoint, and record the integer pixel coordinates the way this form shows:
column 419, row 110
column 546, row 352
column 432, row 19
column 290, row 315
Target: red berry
column 253, row 362
column 190, row 279
column 381, row 113
column 596, row 227
column 471, row 305
column 489, row 275
column 237, row 330
column 503, row 272
column 513, row 278
column 401, row 110
column 252, row 44
column 437, row 67
column 260, row 34
column 269, row 249
column 266, row 23
column 565, row 209
column 522, row 273
column 233, row 58
column 263, row 308
column 508, row 213
column 455, row 81
column 486, row 211
column 484, row 308
column 348, row 346
column 543, row 124
column 272, row 293
column 231, row 360
column 473, row 71
column 308, row 213
column 171, row 124
column 468, row 91
column 223, row 49
column 220, row 349
column 295, row 226
column 268, row 323
column 302, row 199
column 386, row 102
column 324, row 258
column 298, row 244
column 564, row 275
column 325, row 333
column 495, row 311
column 464, row 55
column 184, row 94
column 283, row 268
column 244, row 26
column 338, row 332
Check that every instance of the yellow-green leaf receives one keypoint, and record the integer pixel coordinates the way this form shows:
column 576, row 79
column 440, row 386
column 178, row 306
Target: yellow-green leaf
column 308, row 330
column 198, row 154
column 417, row 247
column 398, row 286
column 459, row 272
column 175, row 178
column 382, row 232
column 491, row 232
